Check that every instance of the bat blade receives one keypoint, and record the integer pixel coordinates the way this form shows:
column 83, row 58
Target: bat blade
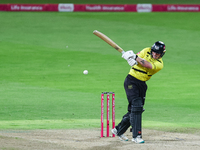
column 109, row 41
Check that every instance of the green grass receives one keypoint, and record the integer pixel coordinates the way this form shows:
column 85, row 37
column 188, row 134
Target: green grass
column 42, row 84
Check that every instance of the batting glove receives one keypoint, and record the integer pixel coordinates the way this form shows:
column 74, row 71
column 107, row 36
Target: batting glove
column 132, row 62
column 129, row 54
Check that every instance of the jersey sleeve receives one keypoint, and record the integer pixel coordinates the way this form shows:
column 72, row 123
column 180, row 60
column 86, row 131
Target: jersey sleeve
column 141, row 54
column 157, row 65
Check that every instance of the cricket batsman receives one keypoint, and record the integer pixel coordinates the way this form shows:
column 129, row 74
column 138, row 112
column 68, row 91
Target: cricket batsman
column 143, row 65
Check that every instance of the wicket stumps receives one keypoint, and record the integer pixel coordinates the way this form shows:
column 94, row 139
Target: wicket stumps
column 108, row 112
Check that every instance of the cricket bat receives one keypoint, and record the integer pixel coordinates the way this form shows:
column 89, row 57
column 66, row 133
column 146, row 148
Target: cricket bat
column 109, row 41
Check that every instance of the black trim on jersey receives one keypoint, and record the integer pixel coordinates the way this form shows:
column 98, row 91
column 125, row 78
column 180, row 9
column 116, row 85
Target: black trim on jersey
column 159, row 61
column 140, row 71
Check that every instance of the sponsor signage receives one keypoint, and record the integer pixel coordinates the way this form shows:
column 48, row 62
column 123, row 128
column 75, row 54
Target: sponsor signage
column 3, row 7
column 26, row 7
column 144, row 7
column 183, row 8
column 104, row 8
column 66, row 7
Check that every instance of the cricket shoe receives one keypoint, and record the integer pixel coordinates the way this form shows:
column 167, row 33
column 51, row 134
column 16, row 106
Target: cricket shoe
column 138, row 140
column 121, row 137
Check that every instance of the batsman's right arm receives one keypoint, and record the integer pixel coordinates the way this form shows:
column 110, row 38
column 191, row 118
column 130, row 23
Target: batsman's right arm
column 143, row 62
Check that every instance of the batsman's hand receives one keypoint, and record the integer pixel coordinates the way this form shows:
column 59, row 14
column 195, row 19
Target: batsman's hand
column 129, row 54
column 132, row 62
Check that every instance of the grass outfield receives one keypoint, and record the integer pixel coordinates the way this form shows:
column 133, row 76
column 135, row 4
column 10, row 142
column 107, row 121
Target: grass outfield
column 43, row 55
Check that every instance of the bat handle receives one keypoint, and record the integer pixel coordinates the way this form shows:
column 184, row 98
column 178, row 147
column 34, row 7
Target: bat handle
column 123, row 52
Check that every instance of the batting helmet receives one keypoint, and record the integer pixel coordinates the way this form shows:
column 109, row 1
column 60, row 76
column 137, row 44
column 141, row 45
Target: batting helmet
column 158, row 47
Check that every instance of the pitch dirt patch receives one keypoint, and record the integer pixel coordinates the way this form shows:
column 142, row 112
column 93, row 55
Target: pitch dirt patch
column 90, row 140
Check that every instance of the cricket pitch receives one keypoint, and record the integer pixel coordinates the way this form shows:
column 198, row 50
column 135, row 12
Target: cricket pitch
column 90, row 140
